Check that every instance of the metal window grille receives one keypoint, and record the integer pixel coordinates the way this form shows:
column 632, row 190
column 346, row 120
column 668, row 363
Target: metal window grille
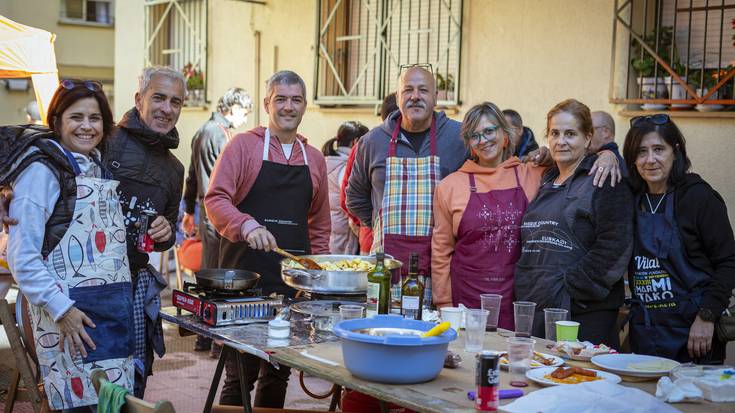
column 675, row 53
column 361, row 45
column 99, row 12
column 176, row 35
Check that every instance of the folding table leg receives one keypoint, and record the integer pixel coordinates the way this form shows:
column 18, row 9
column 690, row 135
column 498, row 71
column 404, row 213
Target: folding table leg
column 215, row 380
column 335, row 398
column 242, row 372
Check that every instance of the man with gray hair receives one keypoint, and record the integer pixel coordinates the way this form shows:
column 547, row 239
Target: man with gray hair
column 232, row 111
column 33, row 115
column 269, row 189
column 151, row 178
column 603, row 137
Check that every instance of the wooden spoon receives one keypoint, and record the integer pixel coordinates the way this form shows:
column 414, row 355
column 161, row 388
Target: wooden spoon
column 308, row 263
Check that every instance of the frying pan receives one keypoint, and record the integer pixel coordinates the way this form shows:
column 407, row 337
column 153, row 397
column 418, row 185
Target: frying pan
column 226, row 279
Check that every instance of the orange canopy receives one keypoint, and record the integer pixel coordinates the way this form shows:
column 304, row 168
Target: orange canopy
column 29, row 52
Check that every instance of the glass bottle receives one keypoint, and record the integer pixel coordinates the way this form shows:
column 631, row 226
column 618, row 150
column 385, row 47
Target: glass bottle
column 412, row 291
column 378, row 288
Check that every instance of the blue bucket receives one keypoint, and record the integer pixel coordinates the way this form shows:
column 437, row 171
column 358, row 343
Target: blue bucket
column 395, row 359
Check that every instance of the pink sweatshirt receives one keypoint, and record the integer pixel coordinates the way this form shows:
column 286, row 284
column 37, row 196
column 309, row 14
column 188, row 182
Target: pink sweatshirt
column 235, row 172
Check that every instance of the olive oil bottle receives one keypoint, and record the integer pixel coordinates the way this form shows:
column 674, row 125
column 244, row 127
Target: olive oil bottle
column 378, row 288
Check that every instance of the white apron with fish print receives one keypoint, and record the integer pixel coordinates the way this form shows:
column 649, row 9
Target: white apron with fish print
column 90, row 265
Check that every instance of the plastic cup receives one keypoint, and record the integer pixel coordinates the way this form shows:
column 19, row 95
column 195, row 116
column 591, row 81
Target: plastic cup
column 350, row 311
column 567, row 330
column 551, row 316
column 520, row 354
column 453, row 315
column 474, row 329
column 523, row 312
column 491, row 303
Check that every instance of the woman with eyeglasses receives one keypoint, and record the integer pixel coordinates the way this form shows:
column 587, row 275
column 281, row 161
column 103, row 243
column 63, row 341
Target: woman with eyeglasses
column 68, row 252
column 682, row 272
column 575, row 237
column 477, row 215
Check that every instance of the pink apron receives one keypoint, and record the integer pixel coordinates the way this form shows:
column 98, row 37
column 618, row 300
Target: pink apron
column 487, row 248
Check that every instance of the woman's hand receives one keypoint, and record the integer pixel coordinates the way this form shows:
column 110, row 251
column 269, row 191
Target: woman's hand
column 540, row 157
column 71, row 327
column 606, row 164
column 700, row 337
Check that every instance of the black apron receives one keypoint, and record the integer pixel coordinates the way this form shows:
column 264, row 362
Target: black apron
column 280, row 200
column 666, row 288
column 548, row 245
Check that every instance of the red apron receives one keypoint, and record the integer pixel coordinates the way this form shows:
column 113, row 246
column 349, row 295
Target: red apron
column 487, row 248
column 405, row 220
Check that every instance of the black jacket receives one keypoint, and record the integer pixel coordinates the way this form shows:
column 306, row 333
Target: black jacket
column 701, row 215
column 14, row 158
column 151, row 178
column 602, row 223
column 530, row 141
column 206, row 146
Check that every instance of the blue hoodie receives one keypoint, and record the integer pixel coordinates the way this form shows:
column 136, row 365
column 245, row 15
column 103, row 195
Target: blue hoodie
column 365, row 188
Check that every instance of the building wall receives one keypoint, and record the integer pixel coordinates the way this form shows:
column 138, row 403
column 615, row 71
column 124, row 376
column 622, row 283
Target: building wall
column 81, row 51
column 523, row 54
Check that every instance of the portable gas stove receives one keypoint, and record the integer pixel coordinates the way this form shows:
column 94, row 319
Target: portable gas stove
column 222, row 307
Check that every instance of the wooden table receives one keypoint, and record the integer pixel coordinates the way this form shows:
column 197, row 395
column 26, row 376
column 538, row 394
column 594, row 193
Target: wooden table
column 448, row 392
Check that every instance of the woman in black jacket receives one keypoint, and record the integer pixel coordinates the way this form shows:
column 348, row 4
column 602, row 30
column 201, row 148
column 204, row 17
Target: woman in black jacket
column 575, row 238
column 683, row 266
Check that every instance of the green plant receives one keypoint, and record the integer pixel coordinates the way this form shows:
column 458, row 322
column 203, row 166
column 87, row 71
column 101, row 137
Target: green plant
column 194, row 77
column 710, row 79
column 644, row 64
column 445, row 83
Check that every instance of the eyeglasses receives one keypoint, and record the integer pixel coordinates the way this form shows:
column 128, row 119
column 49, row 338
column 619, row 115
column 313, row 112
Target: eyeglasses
column 92, row 85
column 657, row 119
column 488, row 133
column 427, row 66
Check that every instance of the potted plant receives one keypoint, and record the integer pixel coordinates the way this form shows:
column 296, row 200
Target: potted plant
column 675, row 89
column 650, row 80
column 195, row 84
column 444, row 87
column 703, row 84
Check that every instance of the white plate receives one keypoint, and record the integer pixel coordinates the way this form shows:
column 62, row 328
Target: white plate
column 537, row 375
column 558, row 361
column 621, row 364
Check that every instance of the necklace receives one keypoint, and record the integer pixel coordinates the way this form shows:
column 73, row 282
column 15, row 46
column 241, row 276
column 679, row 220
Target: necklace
column 650, row 206
column 572, row 173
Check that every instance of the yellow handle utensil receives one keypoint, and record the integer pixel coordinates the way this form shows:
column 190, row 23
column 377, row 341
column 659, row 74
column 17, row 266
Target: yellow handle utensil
column 437, row 330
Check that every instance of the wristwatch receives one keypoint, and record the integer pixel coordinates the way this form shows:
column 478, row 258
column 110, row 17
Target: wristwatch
column 707, row 315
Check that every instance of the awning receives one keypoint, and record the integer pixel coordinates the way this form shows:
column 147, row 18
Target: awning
column 29, row 52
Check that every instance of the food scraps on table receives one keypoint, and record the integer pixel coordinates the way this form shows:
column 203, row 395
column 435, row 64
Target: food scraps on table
column 572, row 375
column 584, row 349
column 354, row 264
column 539, row 360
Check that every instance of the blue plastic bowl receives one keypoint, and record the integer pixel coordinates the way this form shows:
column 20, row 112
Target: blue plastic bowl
column 395, row 359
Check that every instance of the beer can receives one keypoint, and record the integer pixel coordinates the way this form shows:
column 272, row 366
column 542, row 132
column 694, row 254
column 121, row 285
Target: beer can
column 145, row 242
column 487, row 378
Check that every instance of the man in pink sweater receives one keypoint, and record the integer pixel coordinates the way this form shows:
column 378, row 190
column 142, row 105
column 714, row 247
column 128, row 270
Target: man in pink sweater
column 269, row 188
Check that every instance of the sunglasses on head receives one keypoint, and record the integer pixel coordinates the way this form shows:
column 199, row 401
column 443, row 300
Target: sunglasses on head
column 92, row 85
column 657, row 119
column 426, row 66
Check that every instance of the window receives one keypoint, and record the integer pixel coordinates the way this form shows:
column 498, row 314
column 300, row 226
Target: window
column 176, row 36
column 95, row 12
column 361, row 45
column 675, row 53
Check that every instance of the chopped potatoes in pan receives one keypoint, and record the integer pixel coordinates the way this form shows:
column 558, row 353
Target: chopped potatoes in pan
column 355, row 264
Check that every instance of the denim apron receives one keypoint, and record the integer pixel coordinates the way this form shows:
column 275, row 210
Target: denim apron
column 666, row 288
column 548, row 245
column 90, row 266
column 488, row 247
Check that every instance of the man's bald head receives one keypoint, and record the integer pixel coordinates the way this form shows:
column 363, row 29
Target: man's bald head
column 416, row 97
column 604, row 130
